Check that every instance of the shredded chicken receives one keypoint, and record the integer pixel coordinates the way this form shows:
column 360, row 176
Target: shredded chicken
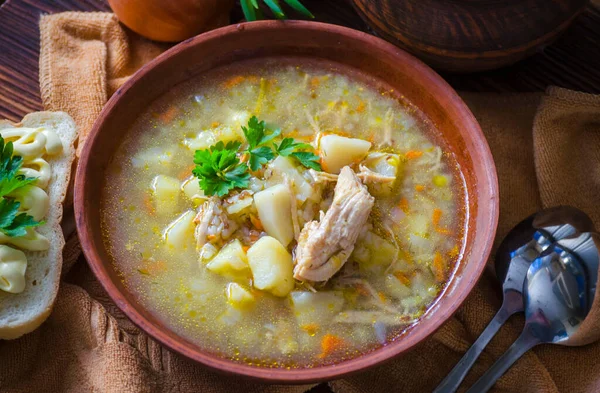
column 369, row 176
column 294, row 205
column 213, row 224
column 313, row 123
column 324, row 247
column 366, row 175
column 322, row 177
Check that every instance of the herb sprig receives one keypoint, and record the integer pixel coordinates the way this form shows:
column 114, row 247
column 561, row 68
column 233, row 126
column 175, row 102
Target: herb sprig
column 13, row 223
column 220, row 170
column 257, row 137
column 289, row 148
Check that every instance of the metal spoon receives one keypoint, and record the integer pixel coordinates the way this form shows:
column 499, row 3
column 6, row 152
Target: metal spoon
column 522, row 245
column 557, row 300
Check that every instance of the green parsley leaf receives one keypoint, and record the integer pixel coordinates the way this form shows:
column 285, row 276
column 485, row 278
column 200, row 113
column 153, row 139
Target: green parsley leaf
column 308, row 159
column 259, row 156
column 12, row 223
column 9, row 166
column 20, row 224
column 257, row 136
column 219, row 169
column 288, row 147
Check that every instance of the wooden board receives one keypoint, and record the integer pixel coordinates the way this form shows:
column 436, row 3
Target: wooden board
column 573, row 61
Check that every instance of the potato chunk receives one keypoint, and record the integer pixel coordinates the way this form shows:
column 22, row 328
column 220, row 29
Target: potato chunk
column 339, row 151
column 191, row 189
column 284, row 166
column 239, row 297
column 316, row 308
column 373, row 250
column 272, row 266
column 230, row 259
column 387, row 165
column 180, row 233
column 166, row 190
column 274, row 207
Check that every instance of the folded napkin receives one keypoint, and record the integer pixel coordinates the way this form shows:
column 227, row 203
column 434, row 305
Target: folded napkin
column 547, row 151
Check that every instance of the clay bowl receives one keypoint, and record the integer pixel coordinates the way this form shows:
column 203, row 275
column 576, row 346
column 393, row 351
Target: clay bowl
column 467, row 35
column 367, row 54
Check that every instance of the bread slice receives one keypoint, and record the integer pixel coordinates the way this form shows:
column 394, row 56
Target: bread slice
column 24, row 312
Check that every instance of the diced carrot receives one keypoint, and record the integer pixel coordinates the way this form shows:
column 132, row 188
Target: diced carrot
column 256, row 222
column 167, row 116
column 382, row 296
column 315, row 82
column 413, row 154
column 403, row 205
column 419, row 187
column 402, row 278
column 214, row 124
column 245, row 248
column 437, row 216
column 330, row 344
column 438, row 267
column 310, row 328
column 148, row 205
column 185, row 173
column 233, row 81
column 361, row 107
column 211, row 237
column 322, row 162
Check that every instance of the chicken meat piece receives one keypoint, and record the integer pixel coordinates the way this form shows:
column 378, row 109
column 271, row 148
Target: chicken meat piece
column 365, row 174
column 324, row 246
column 212, row 223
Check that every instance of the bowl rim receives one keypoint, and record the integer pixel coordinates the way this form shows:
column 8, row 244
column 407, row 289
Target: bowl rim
column 274, row 375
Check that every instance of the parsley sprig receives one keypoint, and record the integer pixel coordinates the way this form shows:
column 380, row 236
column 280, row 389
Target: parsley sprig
column 257, row 137
column 290, row 148
column 219, row 169
column 12, row 223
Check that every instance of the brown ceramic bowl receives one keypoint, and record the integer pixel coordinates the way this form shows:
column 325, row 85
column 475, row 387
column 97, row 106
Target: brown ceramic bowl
column 368, row 54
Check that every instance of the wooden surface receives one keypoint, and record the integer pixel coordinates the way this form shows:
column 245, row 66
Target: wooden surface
column 466, row 35
column 573, row 61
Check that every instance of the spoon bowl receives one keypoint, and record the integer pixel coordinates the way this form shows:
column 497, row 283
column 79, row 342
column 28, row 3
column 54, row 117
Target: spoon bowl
column 558, row 295
column 523, row 244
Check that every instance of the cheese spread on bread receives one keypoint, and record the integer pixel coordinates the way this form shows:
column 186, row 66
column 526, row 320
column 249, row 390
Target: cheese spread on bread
column 34, row 145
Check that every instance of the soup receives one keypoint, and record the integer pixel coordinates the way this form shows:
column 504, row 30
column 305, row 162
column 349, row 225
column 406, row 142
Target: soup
column 283, row 215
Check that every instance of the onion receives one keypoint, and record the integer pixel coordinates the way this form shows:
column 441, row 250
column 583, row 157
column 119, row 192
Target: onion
column 170, row 20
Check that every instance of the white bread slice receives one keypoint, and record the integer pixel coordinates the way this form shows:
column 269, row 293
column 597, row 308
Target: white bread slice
column 24, row 312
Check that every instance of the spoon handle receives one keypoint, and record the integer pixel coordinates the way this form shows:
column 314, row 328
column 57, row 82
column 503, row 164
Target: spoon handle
column 524, row 343
column 453, row 380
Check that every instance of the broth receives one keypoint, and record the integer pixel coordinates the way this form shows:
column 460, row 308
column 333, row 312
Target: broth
column 404, row 254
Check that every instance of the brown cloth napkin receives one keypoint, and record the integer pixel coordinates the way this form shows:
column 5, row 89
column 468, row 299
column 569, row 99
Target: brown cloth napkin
column 88, row 345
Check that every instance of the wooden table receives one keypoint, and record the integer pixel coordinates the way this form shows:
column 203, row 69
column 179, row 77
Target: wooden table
column 573, row 61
